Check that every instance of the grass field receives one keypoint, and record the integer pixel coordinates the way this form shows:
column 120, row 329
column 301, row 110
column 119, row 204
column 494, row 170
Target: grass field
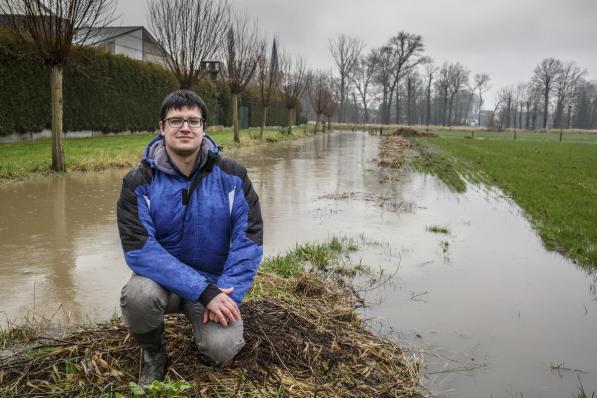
column 546, row 136
column 556, row 184
column 26, row 159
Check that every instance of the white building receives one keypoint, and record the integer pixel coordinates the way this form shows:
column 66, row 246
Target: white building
column 133, row 41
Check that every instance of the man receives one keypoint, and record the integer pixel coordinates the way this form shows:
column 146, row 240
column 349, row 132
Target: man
column 191, row 230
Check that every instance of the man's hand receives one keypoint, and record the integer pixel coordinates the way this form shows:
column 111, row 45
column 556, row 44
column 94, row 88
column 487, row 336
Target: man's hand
column 222, row 309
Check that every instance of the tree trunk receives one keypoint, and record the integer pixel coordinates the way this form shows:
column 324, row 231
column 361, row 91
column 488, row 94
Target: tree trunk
column 445, row 110
column 480, row 105
column 263, row 121
column 57, row 114
column 468, row 106
column 568, row 119
column 398, row 105
column 545, row 108
column 235, row 117
column 317, row 123
column 290, row 119
column 450, row 106
column 342, row 98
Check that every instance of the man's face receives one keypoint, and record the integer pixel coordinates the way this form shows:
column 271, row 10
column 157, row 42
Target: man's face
column 184, row 140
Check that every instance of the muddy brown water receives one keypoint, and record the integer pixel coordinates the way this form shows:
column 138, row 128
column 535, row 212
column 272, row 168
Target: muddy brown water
column 492, row 312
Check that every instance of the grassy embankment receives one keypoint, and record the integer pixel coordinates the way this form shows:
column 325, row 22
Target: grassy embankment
column 303, row 339
column 556, row 184
column 27, row 159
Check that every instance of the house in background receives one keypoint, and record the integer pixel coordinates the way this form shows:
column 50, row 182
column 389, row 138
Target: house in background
column 133, row 41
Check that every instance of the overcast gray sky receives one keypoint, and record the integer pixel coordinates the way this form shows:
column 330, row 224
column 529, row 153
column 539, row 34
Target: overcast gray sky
column 504, row 38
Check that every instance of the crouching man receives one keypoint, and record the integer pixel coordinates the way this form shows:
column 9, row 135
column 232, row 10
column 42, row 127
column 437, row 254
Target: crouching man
column 191, row 230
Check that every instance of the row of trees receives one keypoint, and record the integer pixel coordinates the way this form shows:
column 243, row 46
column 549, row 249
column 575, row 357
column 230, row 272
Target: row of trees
column 558, row 95
column 398, row 83
column 403, row 83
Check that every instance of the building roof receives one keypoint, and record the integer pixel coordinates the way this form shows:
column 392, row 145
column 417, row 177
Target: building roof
column 98, row 35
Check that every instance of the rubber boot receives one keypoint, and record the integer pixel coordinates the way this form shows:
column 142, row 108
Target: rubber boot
column 155, row 358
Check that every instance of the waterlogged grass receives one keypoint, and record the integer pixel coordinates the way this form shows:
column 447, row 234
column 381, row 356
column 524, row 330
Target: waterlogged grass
column 26, row 159
column 568, row 136
column 437, row 229
column 430, row 159
column 556, row 184
column 315, row 256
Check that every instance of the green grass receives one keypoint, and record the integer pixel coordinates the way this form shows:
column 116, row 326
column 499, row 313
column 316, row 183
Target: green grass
column 556, row 184
column 26, row 159
column 316, row 256
column 569, row 136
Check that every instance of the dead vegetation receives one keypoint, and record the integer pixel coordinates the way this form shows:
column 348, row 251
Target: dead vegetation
column 392, row 152
column 304, row 340
column 411, row 132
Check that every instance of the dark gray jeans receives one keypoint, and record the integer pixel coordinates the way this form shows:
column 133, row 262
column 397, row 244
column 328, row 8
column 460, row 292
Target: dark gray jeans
column 144, row 303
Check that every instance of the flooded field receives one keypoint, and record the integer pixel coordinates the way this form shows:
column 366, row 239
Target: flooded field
column 492, row 312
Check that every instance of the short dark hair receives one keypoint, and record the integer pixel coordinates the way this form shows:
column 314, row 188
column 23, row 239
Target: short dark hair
column 180, row 99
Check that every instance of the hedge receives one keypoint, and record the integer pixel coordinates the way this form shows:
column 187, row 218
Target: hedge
column 103, row 92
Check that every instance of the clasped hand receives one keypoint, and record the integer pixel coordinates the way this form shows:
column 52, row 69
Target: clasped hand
column 222, row 309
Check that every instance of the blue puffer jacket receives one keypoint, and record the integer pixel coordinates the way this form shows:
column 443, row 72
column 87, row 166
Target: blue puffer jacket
column 191, row 234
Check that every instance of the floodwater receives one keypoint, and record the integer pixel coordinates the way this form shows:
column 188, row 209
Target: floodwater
column 492, row 312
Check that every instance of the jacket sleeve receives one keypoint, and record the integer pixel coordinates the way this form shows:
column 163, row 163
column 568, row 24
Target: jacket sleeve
column 142, row 252
column 246, row 247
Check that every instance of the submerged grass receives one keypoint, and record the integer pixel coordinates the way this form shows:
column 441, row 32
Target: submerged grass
column 304, row 338
column 437, row 229
column 26, row 159
column 556, row 184
column 429, row 159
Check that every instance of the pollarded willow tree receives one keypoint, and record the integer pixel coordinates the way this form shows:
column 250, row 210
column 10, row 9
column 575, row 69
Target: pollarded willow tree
column 320, row 95
column 268, row 76
column 294, row 82
column 53, row 26
column 242, row 53
column 191, row 32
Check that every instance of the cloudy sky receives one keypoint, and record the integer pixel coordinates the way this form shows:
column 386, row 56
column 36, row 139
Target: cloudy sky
column 504, row 38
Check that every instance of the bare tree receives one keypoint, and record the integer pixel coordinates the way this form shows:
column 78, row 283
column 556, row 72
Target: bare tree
column 242, row 53
column 346, row 51
column 53, row 25
column 294, row 82
column 430, row 70
column 442, row 86
column 545, row 77
column 504, row 107
column 191, row 32
column 268, row 75
column 320, row 95
column 407, row 49
column 458, row 77
column 482, row 84
column 566, row 83
column 384, row 71
column 362, row 78
column 330, row 108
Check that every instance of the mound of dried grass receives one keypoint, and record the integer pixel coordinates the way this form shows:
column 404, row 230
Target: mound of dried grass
column 306, row 340
column 392, row 151
column 410, row 132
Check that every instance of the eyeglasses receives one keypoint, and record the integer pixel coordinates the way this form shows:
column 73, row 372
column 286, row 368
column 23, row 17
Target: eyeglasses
column 178, row 122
